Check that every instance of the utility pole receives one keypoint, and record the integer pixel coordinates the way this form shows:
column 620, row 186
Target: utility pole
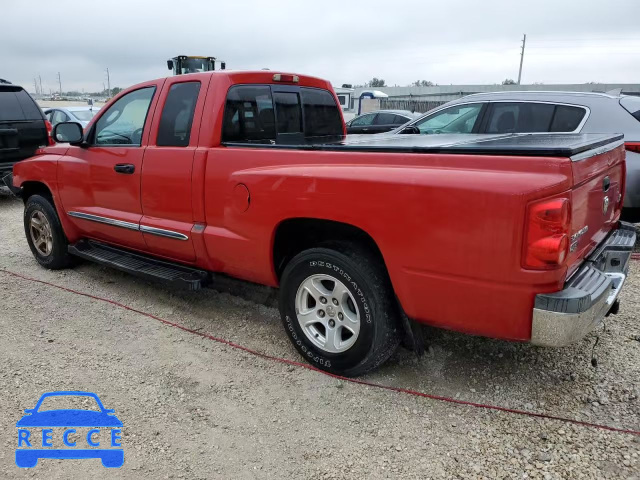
column 35, row 84
column 60, row 83
column 524, row 40
column 108, row 84
column 40, row 81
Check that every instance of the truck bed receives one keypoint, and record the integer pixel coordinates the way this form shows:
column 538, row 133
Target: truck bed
column 539, row 145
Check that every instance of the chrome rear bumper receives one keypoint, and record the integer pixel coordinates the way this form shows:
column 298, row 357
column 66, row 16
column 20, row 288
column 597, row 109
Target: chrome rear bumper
column 566, row 316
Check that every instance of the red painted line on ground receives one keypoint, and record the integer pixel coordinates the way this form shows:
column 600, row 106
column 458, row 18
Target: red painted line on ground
column 311, row 367
column 635, row 256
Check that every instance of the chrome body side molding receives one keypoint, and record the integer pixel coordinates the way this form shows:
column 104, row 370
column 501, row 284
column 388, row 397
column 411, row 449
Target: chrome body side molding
column 161, row 232
column 105, row 220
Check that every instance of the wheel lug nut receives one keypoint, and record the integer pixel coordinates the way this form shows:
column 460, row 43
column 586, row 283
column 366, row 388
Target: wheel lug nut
column 335, row 301
column 321, row 313
column 332, row 323
column 340, row 316
column 323, row 300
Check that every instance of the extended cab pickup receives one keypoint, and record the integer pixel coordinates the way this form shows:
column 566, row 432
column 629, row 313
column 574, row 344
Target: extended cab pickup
column 249, row 174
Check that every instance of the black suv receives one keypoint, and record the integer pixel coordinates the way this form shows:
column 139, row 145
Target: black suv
column 23, row 127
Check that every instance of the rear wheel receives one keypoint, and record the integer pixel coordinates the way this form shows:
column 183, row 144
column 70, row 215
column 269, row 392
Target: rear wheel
column 338, row 309
column 44, row 233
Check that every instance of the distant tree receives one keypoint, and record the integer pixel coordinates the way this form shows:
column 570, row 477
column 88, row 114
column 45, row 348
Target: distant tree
column 347, row 85
column 376, row 82
column 509, row 81
column 423, row 83
column 115, row 91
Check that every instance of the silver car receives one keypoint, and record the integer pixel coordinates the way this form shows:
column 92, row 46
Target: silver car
column 537, row 112
column 82, row 115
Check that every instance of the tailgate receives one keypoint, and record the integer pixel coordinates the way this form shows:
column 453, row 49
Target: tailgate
column 596, row 198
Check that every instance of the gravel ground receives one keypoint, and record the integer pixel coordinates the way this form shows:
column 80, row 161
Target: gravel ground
column 193, row 408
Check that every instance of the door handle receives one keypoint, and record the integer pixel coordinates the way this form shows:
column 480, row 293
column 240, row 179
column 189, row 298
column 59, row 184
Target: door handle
column 125, row 168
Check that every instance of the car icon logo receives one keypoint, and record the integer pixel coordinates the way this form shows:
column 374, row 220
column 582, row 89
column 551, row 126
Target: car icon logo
column 69, row 443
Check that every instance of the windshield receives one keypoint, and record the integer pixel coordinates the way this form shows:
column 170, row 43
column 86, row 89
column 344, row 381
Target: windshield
column 66, row 402
column 194, row 65
column 631, row 105
column 84, row 115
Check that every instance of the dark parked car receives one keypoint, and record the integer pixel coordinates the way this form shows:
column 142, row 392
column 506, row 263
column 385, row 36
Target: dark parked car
column 23, row 127
column 380, row 121
column 545, row 112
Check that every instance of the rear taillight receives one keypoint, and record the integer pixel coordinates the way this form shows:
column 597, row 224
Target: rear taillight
column 632, row 146
column 547, row 237
column 49, row 133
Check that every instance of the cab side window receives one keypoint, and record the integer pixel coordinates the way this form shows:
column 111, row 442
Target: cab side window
column 177, row 115
column 122, row 124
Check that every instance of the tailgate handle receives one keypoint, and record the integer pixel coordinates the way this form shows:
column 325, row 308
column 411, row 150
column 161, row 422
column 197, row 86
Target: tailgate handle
column 125, row 168
column 8, row 131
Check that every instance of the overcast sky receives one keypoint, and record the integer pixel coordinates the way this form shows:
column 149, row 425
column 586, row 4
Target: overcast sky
column 346, row 41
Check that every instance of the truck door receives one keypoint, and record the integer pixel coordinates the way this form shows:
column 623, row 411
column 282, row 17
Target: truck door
column 99, row 183
column 168, row 164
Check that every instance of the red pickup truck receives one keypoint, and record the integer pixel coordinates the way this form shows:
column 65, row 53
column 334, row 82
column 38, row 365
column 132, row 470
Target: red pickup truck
column 249, row 174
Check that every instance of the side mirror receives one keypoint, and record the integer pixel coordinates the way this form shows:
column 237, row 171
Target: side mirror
column 410, row 130
column 170, row 64
column 68, row 132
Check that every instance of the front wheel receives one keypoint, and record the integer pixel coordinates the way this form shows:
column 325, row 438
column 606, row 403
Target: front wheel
column 338, row 309
column 45, row 236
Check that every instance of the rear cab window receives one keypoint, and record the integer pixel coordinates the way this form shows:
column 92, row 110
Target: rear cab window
column 631, row 105
column 279, row 115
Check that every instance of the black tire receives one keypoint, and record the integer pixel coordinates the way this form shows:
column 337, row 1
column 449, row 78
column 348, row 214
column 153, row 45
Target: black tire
column 59, row 257
column 366, row 279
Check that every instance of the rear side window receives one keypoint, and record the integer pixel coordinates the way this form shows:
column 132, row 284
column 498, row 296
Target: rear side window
column 400, row 120
column 321, row 114
column 520, row 118
column 29, row 107
column 566, row 118
column 385, row 119
column 248, row 115
column 530, row 117
column 16, row 104
column 9, row 106
column 631, row 105
column 177, row 115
